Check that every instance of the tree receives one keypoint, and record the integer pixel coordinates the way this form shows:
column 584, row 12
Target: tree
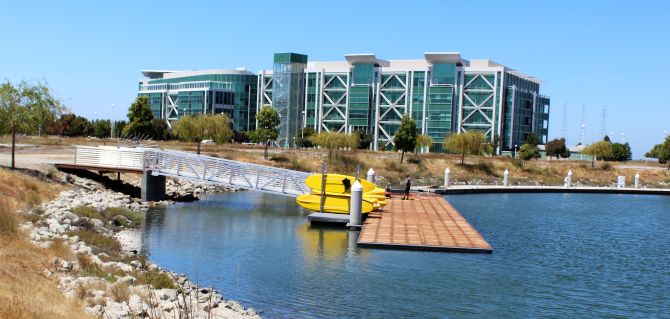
column 334, row 140
column 468, row 143
column 602, row 149
column 304, row 139
column 267, row 128
column 566, row 154
column 160, row 130
column 364, row 139
column 423, row 140
column 607, row 139
column 22, row 107
column 531, row 139
column 620, row 152
column 404, row 139
column 203, row 127
column 139, row 119
column 529, row 151
column 661, row 152
column 71, row 125
column 101, row 128
column 555, row 148
column 117, row 130
column 240, row 137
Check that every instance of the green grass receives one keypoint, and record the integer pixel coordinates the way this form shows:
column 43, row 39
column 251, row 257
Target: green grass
column 112, row 213
column 156, row 278
column 100, row 243
column 89, row 268
column 85, row 211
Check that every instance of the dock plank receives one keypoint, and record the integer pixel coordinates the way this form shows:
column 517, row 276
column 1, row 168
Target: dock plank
column 426, row 222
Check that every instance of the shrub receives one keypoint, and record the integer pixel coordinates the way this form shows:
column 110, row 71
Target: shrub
column 518, row 163
column 414, row 160
column 100, row 243
column 279, row 158
column 606, row 166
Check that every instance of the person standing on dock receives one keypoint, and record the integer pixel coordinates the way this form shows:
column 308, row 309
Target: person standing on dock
column 408, row 185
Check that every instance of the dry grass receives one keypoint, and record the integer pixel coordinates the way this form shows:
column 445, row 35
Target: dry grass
column 120, row 292
column 60, row 249
column 21, row 191
column 425, row 169
column 25, row 292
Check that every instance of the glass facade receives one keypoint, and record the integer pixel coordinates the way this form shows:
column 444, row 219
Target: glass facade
column 444, row 94
column 288, row 94
column 526, row 112
column 232, row 93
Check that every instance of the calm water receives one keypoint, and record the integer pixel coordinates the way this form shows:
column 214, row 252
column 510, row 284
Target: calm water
column 555, row 255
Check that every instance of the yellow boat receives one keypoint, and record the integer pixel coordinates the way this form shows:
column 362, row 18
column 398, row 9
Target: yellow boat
column 378, row 191
column 332, row 204
column 374, row 199
column 337, row 183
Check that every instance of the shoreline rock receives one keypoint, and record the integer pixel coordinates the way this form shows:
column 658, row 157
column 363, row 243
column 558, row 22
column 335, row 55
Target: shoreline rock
column 120, row 288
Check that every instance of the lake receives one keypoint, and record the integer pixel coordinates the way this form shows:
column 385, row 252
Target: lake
column 554, row 255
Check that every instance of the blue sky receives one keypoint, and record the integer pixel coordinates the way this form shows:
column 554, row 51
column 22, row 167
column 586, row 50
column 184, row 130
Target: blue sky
column 591, row 53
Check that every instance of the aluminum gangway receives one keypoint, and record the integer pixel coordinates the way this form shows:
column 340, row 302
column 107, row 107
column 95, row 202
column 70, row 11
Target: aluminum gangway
column 213, row 170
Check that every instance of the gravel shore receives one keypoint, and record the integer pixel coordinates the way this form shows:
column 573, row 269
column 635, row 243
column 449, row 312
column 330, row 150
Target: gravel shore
column 120, row 291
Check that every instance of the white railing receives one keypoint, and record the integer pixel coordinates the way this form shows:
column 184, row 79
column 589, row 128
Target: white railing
column 214, row 170
column 160, row 87
column 109, row 156
column 200, row 168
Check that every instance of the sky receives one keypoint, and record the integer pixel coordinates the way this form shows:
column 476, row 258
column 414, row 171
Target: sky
column 589, row 53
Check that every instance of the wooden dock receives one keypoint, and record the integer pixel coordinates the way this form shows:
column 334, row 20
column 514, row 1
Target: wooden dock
column 427, row 222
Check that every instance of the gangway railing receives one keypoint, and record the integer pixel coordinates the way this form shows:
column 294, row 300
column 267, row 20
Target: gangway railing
column 109, row 156
column 225, row 172
column 205, row 169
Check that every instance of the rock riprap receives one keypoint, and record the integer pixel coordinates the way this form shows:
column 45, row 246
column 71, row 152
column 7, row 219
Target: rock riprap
column 123, row 285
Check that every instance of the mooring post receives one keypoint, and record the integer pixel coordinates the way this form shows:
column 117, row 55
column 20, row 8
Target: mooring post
column 506, row 178
column 371, row 175
column 447, row 172
column 568, row 179
column 637, row 180
column 355, row 206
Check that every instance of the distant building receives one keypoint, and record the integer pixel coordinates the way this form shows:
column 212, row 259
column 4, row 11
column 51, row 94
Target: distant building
column 576, row 153
column 173, row 94
column 442, row 92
